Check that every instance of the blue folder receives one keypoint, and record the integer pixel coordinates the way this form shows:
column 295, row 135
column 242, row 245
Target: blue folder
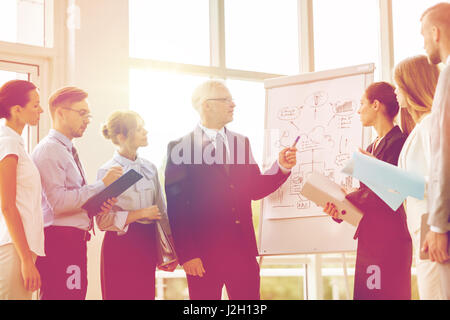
column 392, row 184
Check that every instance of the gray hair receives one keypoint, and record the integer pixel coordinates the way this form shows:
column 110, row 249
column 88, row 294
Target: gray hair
column 204, row 92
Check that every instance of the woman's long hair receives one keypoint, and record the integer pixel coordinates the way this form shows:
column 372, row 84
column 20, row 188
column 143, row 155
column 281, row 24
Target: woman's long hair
column 417, row 78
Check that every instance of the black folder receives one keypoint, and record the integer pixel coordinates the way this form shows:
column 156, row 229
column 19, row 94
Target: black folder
column 94, row 204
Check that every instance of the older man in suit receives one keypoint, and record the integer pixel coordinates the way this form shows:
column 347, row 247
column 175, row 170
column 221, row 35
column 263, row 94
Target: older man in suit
column 211, row 178
column 436, row 33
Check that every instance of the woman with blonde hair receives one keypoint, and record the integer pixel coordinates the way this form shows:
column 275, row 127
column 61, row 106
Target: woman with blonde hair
column 416, row 81
column 129, row 250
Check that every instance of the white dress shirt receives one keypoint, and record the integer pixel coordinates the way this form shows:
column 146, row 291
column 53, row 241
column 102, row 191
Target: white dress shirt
column 144, row 194
column 212, row 135
column 415, row 157
column 28, row 192
column 439, row 183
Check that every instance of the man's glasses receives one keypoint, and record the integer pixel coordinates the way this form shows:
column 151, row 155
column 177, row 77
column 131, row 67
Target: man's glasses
column 82, row 113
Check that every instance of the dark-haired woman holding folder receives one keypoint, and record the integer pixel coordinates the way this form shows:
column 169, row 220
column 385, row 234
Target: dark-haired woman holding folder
column 384, row 255
column 129, row 250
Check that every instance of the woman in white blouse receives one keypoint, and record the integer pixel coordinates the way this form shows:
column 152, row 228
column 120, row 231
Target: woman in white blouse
column 416, row 83
column 21, row 221
column 129, row 248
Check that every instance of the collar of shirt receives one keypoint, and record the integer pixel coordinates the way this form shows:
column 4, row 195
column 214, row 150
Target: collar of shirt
column 125, row 162
column 54, row 134
column 8, row 132
column 212, row 133
column 138, row 165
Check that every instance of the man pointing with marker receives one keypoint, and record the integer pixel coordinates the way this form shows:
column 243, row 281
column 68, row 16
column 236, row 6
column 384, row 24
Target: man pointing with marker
column 211, row 179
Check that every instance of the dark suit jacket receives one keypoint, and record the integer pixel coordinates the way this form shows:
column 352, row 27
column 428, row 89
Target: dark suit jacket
column 209, row 209
column 383, row 236
column 377, row 214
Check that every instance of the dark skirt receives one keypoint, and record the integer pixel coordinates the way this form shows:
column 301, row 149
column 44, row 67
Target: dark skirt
column 384, row 258
column 128, row 264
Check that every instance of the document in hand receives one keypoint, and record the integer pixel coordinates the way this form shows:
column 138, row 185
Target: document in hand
column 392, row 184
column 320, row 190
column 94, row 204
column 424, row 228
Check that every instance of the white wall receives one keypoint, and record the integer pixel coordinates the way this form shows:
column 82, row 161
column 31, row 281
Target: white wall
column 97, row 63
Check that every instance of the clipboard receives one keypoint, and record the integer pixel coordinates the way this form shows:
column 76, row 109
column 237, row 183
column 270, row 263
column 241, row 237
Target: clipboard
column 93, row 204
column 320, row 190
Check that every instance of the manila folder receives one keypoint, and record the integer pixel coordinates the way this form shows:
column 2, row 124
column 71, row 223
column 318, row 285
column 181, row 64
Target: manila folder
column 320, row 190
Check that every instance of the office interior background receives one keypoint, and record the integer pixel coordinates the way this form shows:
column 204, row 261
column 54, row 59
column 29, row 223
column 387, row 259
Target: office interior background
column 149, row 55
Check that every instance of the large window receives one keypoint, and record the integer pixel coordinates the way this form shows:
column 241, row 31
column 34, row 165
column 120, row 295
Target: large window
column 262, row 35
column 170, row 30
column 164, row 98
column 164, row 101
column 24, row 21
column 406, row 16
column 346, row 33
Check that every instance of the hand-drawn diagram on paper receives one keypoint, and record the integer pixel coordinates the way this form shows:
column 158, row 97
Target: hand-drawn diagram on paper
column 324, row 115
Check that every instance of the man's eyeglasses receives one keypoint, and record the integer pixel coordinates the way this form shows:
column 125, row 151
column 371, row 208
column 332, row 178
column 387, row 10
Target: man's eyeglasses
column 82, row 113
column 228, row 100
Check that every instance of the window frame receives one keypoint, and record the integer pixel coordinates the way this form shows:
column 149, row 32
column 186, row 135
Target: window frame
column 44, row 65
column 218, row 68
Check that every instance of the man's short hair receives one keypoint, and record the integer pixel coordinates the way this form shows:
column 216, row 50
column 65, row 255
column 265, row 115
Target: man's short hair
column 439, row 14
column 204, row 92
column 65, row 96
